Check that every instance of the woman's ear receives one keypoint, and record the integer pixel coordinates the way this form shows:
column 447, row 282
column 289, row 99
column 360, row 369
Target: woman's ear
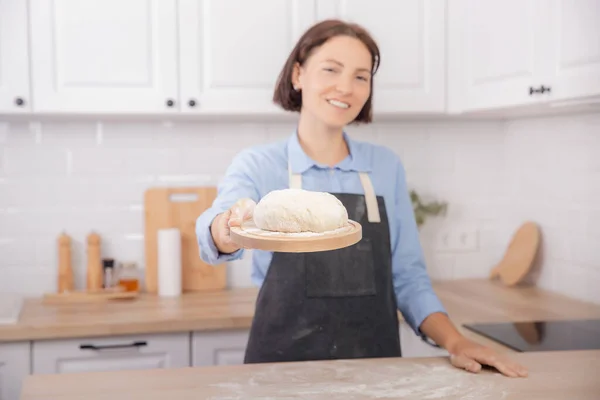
column 296, row 77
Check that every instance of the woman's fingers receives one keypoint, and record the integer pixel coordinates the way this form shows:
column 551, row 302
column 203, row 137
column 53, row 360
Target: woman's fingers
column 241, row 211
column 464, row 362
column 224, row 227
column 473, row 361
column 503, row 365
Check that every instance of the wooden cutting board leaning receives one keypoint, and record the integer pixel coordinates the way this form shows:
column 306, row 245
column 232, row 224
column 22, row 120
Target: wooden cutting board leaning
column 179, row 207
column 519, row 256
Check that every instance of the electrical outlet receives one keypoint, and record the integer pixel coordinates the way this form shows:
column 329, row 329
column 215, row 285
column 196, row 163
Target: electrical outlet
column 458, row 240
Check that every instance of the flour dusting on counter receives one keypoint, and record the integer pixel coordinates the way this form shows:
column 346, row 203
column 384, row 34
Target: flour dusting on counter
column 344, row 380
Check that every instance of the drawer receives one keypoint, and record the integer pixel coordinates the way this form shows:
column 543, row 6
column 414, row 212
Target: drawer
column 114, row 353
column 14, row 368
column 226, row 347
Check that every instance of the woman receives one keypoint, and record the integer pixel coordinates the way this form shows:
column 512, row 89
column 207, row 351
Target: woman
column 341, row 303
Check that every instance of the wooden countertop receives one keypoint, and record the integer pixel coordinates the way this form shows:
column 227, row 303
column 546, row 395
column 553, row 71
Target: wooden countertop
column 468, row 300
column 553, row 375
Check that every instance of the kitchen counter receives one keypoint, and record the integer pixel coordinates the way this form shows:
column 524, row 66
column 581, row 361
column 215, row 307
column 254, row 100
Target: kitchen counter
column 467, row 300
column 553, row 375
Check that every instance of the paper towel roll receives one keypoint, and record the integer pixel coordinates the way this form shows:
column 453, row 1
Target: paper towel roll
column 169, row 262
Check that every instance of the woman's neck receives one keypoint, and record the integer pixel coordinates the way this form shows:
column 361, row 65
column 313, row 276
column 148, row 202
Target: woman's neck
column 324, row 145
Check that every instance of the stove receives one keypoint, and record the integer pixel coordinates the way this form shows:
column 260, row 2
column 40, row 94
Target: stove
column 543, row 335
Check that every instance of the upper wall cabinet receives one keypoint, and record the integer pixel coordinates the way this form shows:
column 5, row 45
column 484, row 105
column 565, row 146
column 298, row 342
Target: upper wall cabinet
column 218, row 57
column 104, row 56
column 411, row 37
column 14, row 61
column 232, row 51
column 503, row 54
column 574, row 38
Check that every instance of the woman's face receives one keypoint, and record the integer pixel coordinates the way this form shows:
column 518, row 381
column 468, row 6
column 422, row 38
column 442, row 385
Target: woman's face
column 335, row 81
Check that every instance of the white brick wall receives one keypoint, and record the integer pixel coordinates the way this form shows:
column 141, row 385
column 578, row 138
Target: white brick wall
column 84, row 176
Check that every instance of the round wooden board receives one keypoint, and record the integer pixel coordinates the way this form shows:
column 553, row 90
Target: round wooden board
column 250, row 237
column 519, row 256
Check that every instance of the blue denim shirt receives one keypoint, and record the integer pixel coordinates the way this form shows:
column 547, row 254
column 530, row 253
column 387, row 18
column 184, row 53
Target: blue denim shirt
column 262, row 168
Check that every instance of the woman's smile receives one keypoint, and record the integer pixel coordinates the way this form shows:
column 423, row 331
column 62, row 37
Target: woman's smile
column 338, row 104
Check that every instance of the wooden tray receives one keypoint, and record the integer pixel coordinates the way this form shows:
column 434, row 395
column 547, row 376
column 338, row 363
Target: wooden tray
column 251, row 237
column 89, row 296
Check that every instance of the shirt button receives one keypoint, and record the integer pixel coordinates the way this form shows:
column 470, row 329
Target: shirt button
column 331, row 171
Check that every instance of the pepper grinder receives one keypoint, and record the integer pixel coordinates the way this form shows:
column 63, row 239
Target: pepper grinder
column 94, row 263
column 65, row 268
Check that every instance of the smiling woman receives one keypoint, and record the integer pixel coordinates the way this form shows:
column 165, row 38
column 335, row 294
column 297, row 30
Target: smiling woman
column 342, row 303
column 332, row 54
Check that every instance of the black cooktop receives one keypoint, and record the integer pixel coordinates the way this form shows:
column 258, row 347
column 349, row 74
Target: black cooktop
column 543, row 335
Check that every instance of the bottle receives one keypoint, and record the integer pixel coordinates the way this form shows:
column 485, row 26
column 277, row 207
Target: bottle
column 65, row 268
column 94, row 263
column 129, row 277
column 108, row 265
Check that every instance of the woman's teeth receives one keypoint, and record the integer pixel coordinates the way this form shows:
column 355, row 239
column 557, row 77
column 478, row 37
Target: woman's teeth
column 338, row 104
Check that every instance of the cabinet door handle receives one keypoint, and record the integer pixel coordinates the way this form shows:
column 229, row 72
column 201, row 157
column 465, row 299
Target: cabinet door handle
column 543, row 89
column 111, row 346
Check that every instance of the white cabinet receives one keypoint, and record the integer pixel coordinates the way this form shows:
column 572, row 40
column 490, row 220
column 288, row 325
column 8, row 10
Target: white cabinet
column 111, row 353
column 411, row 39
column 103, row 56
column 14, row 61
column 228, row 347
column 218, row 57
column 219, row 347
column 514, row 53
column 231, row 51
column 14, row 367
column 162, row 56
column 413, row 346
column 574, row 33
column 496, row 53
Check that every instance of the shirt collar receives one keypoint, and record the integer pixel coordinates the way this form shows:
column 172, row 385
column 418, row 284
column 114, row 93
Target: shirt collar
column 356, row 161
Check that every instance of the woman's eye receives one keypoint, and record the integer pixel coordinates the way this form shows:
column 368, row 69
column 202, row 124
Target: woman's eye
column 363, row 78
column 329, row 69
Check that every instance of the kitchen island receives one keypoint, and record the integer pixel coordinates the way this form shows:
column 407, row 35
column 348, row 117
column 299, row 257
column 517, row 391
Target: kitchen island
column 553, row 375
column 210, row 329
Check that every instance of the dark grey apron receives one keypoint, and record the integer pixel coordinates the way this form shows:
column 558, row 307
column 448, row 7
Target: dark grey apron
column 337, row 304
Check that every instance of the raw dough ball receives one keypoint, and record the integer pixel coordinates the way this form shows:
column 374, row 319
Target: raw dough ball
column 299, row 210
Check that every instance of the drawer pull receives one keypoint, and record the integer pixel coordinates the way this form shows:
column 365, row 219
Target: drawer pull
column 111, row 346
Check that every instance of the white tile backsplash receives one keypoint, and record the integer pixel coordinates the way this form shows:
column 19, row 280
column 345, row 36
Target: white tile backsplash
column 84, row 176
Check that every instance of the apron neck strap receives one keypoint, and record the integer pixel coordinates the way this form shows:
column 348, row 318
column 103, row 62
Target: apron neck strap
column 295, row 182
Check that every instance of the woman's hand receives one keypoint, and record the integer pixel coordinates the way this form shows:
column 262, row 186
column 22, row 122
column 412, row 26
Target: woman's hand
column 469, row 355
column 241, row 211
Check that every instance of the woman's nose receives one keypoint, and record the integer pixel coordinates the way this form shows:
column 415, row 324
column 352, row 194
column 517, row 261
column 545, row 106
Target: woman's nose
column 344, row 85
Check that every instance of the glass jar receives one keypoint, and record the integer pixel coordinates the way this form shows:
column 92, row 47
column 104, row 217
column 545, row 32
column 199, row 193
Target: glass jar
column 129, row 277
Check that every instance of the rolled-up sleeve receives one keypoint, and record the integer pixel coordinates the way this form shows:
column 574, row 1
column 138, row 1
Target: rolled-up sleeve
column 236, row 184
column 414, row 292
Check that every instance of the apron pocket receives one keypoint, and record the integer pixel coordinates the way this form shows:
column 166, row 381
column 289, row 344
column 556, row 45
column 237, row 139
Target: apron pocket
column 343, row 272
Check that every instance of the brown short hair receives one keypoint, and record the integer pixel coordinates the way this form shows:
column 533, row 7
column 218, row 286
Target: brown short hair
column 291, row 100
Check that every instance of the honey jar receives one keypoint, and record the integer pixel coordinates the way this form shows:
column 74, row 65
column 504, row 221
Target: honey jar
column 129, row 277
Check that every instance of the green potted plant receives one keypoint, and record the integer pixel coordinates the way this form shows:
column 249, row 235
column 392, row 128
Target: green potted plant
column 422, row 210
